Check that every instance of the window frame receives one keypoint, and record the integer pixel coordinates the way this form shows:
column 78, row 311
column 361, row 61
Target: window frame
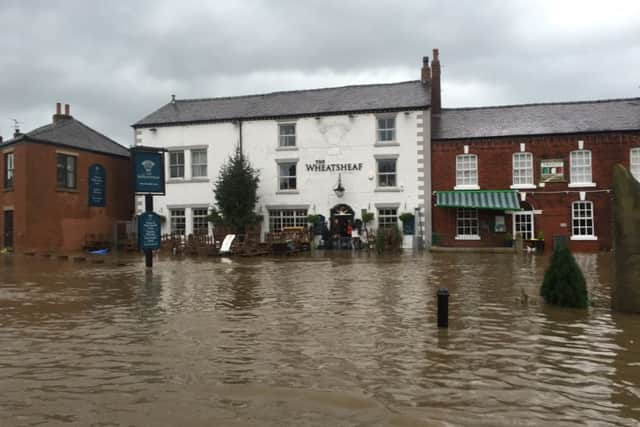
column 285, row 139
column 515, row 229
column 467, row 221
column 524, row 180
column 290, row 178
column 176, row 165
column 634, row 162
column 199, row 218
column 588, row 219
column 581, row 175
column 173, row 221
column 387, row 216
column 195, row 165
column 462, row 182
column 9, row 172
column 294, row 217
column 388, row 175
column 386, row 134
column 69, row 174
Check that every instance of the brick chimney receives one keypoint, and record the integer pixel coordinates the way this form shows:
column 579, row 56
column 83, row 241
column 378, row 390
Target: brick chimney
column 425, row 75
column 58, row 116
column 436, row 103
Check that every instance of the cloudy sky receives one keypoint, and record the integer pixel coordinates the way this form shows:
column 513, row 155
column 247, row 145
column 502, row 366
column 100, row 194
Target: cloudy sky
column 117, row 61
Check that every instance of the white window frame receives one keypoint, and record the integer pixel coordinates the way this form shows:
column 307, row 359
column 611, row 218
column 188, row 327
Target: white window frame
column 173, row 220
column 286, row 217
column 522, row 170
column 634, row 162
column 200, row 166
column 9, row 169
column 387, row 216
column 195, row 218
column 581, row 169
column 579, row 212
column 287, row 140
column 287, row 178
column 388, row 175
column 467, row 216
column 466, row 172
column 177, row 166
column 515, row 215
column 385, row 129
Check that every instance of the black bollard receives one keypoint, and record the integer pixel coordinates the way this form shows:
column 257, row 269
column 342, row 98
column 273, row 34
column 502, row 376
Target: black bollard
column 443, row 308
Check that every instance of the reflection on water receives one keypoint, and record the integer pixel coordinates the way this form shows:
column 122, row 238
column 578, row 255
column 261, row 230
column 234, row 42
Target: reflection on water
column 344, row 339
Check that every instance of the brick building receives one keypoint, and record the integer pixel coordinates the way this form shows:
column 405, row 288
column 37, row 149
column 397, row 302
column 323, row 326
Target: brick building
column 542, row 170
column 46, row 198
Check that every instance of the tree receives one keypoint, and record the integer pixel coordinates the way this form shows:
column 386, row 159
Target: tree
column 236, row 192
column 564, row 283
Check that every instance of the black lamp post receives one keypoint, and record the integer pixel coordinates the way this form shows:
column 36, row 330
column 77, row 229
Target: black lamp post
column 339, row 190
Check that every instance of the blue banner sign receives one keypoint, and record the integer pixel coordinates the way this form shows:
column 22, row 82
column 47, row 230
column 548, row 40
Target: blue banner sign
column 97, row 186
column 148, row 169
column 149, row 231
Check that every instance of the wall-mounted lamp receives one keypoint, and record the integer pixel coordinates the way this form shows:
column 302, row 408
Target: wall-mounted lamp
column 339, row 190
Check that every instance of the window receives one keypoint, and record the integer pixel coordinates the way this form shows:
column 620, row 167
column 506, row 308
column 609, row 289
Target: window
column 287, row 135
column 287, row 176
column 523, row 224
column 199, row 163
column 66, row 171
column 522, row 169
column 467, row 224
column 634, row 163
column 200, row 222
column 9, row 170
column 177, row 221
column 387, row 217
column 386, row 172
column 386, row 129
column 582, row 220
column 176, row 164
column 280, row 218
column 467, row 170
column 580, row 167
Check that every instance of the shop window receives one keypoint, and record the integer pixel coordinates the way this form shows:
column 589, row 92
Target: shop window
column 386, row 172
column 287, row 135
column 580, row 164
column 386, row 129
column 582, row 221
column 280, row 218
column 200, row 222
column 66, row 171
column 634, row 163
column 467, row 224
column 199, row 163
column 387, row 217
column 523, row 224
column 522, row 170
column 466, row 171
column 287, row 177
column 9, row 170
column 178, row 224
column 176, row 164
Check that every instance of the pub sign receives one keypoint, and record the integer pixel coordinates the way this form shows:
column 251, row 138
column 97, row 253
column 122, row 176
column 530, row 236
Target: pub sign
column 97, row 186
column 148, row 170
column 149, row 231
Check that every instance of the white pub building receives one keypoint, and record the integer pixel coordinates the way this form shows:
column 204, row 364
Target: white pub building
column 334, row 151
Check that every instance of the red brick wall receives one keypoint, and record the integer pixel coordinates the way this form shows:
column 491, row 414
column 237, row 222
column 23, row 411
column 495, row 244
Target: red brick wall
column 495, row 173
column 52, row 219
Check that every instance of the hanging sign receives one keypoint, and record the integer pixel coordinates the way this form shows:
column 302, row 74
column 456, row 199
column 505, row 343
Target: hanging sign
column 149, row 231
column 97, row 186
column 551, row 170
column 148, row 170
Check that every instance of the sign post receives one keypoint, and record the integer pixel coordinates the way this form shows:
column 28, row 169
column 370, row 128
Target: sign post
column 97, row 186
column 148, row 172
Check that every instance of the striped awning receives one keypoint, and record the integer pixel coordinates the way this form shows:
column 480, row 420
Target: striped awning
column 481, row 199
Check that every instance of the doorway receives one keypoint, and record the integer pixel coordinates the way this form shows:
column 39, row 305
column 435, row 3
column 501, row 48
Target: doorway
column 341, row 215
column 8, row 229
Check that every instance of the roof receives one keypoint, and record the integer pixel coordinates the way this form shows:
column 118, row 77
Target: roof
column 346, row 99
column 537, row 119
column 72, row 133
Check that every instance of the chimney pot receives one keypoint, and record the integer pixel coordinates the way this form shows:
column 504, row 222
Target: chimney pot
column 435, row 54
column 436, row 99
column 425, row 72
column 58, row 108
column 66, row 109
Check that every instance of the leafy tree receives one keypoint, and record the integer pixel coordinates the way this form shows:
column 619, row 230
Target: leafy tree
column 564, row 283
column 236, row 193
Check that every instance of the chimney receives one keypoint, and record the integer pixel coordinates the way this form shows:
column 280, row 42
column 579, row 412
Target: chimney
column 436, row 103
column 425, row 75
column 58, row 116
column 66, row 110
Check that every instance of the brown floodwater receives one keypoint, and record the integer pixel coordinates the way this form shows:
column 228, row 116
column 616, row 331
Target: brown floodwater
column 344, row 339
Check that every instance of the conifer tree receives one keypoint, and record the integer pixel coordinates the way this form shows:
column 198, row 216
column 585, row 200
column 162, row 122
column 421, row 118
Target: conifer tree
column 564, row 283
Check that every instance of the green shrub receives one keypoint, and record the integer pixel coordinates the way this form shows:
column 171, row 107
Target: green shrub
column 388, row 239
column 564, row 283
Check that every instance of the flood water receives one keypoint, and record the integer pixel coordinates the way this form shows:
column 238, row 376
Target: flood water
column 344, row 339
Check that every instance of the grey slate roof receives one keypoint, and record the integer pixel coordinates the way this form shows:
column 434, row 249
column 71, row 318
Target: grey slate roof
column 73, row 133
column 538, row 119
column 378, row 97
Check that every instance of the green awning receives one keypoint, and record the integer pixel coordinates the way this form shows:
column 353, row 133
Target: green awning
column 481, row 199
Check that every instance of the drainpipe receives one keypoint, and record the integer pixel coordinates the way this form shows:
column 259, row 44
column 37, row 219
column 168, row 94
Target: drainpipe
column 240, row 136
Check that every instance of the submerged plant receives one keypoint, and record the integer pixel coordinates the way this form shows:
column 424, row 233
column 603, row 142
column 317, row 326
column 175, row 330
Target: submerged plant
column 564, row 283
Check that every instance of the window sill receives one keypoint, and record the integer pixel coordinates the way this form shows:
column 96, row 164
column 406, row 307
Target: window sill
column 466, row 187
column 386, row 144
column 581, row 184
column 583, row 238
column 388, row 189
column 292, row 148
column 523, row 187
column 187, row 181
column 287, row 192
column 66, row 190
column 199, row 179
column 467, row 237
